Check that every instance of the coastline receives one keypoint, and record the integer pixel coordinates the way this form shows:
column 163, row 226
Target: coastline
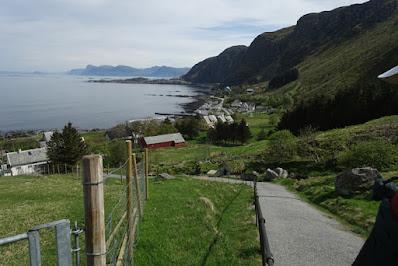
column 202, row 92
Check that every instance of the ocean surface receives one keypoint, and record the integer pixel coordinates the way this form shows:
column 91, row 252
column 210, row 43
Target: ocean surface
column 50, row 101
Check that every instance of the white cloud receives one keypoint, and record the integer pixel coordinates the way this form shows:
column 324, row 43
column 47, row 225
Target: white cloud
column 62, row 34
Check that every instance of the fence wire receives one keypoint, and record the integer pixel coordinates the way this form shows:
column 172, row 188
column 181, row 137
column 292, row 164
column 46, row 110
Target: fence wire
column 117, row 228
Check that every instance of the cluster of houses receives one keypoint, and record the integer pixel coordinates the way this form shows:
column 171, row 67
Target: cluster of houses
column 243, row 107
column 212, row 120
column 35, row 161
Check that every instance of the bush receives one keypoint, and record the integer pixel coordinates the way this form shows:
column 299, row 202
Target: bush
column 235, row 167
column 282, row 146
column 379, row 154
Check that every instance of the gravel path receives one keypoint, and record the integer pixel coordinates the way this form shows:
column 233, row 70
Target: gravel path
column 298, row 233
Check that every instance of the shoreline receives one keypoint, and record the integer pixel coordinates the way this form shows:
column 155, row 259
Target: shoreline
column 162, row 81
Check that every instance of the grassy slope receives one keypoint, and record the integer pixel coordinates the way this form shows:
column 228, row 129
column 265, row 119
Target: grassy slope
column 195, row 150
column 178, row 228
column 26, row 201
column 325, row 73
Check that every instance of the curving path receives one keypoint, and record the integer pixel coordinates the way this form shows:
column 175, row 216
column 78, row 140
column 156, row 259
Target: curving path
column 298, row 233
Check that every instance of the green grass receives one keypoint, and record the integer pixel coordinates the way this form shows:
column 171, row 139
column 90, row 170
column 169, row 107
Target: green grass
column 180, row 227
column 26, row 201
column 197, row 151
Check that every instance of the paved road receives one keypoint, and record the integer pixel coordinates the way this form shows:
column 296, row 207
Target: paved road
column 299, row 234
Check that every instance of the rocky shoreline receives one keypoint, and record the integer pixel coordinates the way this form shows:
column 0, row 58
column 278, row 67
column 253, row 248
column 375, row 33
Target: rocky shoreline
column 203, row 90
column 141, row 80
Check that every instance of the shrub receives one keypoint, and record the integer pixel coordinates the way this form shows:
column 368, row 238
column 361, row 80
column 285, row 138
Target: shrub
column 282, row 146
column 235, row 167
column 378, row 154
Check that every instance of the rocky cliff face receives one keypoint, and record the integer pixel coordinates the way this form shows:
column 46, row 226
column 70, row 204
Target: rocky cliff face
column 216, row 69
column 272, row 53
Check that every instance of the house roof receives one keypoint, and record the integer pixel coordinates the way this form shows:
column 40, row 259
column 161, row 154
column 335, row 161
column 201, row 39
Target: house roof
column 27, row 157
column 176, row 138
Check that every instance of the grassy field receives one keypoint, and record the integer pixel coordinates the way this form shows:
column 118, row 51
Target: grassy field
column 196, row 150
column 192, row 222
column 26, row 201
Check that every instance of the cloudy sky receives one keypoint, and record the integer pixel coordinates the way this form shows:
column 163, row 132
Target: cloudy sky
column 56, row 35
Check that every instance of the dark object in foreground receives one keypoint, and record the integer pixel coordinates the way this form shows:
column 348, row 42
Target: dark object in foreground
column 381, row 248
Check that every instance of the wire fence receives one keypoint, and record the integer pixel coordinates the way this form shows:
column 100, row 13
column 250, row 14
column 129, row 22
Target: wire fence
column 123, row 209
column 117, row 232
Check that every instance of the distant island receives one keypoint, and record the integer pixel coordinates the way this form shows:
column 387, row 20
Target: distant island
column 127, row 71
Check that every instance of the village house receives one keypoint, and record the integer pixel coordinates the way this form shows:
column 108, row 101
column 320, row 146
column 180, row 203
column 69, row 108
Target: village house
column 163, row 141
column 27, row 162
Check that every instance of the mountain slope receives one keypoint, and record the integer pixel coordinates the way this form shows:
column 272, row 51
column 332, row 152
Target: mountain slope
column 124, row 71
column 272, row 53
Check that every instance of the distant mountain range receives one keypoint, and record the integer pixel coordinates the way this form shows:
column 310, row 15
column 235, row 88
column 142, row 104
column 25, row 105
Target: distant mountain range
column 127, row 71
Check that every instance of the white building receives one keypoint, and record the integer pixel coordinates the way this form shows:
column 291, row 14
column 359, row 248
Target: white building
column 27, row 162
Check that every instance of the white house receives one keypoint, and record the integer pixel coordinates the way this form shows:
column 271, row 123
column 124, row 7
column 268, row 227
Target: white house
column 27, row 162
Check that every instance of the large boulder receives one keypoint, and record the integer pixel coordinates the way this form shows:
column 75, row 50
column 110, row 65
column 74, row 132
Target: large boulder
column 270, row 175
column 356, row 181
column 212, row 173
column 282, row 173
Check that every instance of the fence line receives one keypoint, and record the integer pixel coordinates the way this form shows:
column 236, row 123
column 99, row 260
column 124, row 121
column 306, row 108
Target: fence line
column 119, row 226
column 267, row 257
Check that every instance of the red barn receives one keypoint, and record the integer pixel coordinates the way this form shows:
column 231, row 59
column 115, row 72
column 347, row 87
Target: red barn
column 163, row 141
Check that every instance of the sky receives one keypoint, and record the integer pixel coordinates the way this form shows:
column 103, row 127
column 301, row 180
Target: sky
column 58, row 35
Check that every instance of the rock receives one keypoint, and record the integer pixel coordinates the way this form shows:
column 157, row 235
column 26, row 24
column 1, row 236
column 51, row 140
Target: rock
column 270, row 175
column 223, row 171
column 212, row 173
column 248, row 176
column 282, row 173
column 166, row 176
column 355, row 181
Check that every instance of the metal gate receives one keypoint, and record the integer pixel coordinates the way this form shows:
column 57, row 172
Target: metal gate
column 62, row 240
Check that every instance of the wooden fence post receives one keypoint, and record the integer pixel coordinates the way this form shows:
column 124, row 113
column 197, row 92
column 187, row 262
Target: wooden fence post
column 146, row 173
column 130, row 218
column 94, row 213
column 135, row 173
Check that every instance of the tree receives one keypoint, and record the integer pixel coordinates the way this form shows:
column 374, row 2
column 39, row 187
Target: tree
column 67, row 147
column 189, row 127
column 243, row 131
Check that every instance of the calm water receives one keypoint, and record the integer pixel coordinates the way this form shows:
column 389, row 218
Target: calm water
column 50, row 101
